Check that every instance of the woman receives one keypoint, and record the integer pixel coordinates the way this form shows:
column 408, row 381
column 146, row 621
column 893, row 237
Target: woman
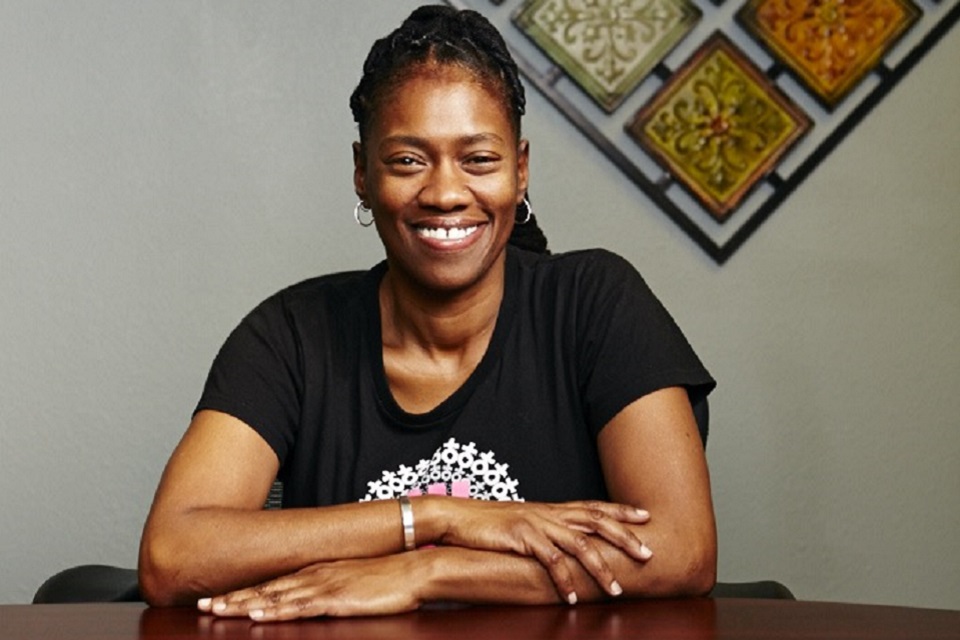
column 459, row 367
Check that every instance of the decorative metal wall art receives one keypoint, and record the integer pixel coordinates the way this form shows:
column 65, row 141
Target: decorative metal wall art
column 718, row 125
column 717, row 110
column 830, row 45
column 607, row 49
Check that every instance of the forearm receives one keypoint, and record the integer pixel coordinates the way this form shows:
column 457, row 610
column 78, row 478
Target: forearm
column 210, row 550
column 482, row 570
column 456, row 574
column 682, row 565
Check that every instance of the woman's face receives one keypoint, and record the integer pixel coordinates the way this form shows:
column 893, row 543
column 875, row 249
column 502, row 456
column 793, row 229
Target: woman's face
column 443, row 172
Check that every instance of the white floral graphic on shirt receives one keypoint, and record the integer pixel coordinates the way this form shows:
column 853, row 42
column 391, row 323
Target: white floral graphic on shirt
column 454, row 469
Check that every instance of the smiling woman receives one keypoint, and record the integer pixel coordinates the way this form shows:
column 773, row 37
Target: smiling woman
column 552, row 390
column 443, row 171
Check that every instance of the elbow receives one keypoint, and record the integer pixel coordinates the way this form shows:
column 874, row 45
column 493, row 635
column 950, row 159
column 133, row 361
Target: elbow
column 699, row 575
column 155, row 590
column 154, row 593
column 701, row 578
column 161, row 576
column 692, row 572
column 698, row 568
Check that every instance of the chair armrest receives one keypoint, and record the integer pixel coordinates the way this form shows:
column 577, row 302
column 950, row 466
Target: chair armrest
column 90, row 583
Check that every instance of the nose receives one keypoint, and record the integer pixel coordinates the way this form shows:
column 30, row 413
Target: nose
column 444, row 189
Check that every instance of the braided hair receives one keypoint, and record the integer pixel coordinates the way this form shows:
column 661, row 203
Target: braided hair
column 444, row 35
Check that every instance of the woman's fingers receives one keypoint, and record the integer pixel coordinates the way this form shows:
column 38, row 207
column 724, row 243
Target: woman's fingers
column 372, row 586
column 572, row 531
column 242, row 602
column 582, row 547
column 556, row 546
column 609, row 521
column 585, row 548
column 556, row 534
column 555, row 561
column 284, row 604
column 284, row 598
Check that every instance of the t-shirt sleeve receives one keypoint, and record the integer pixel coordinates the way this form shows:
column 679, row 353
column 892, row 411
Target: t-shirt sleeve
column 630, row 345
column 255, row 378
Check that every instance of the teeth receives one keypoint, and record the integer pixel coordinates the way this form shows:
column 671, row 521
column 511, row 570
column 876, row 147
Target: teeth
column 442, row 233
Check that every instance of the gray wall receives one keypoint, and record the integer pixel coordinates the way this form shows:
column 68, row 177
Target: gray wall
column 165, row 165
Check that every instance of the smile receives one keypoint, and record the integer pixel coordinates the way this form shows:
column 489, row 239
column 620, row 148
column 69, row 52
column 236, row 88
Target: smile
column 443, row 233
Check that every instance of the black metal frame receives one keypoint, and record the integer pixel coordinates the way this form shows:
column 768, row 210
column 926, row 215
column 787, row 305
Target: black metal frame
column 720, row 252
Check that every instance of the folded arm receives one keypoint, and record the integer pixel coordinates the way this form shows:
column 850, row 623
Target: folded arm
column 652, row 458
column 207, row 534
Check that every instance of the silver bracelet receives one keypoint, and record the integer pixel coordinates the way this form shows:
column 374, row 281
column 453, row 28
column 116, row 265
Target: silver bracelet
column 406, row 518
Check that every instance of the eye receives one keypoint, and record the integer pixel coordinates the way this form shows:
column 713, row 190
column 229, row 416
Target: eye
column 482, row 162
column 404, row 163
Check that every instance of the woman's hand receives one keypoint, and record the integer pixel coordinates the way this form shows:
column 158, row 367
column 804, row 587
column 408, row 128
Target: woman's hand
column 554, row 534
column 372, row 586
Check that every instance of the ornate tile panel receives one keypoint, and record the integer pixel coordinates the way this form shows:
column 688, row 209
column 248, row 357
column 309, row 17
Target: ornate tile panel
column 716, row 171
column 830, row 45
column 607, row 46
column 719, row 125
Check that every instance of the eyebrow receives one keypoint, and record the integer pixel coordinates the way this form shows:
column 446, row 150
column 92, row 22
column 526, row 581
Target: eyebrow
column 415, row 141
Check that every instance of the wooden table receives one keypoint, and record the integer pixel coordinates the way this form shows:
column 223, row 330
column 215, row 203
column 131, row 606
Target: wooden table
column 699, row 619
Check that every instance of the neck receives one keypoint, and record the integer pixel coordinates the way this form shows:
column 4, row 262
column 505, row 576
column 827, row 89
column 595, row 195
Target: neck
column 440, row 323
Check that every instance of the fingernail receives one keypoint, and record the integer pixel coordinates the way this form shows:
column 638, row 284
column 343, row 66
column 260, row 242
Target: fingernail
column 256, row 614
column 220, row 607
column 645, row 552
column 615, row 588
column 204, row 604
column 572, row 597
column 643, row 513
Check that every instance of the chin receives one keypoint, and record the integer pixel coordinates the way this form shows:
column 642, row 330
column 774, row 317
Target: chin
column 449, row 283
column 450, row 274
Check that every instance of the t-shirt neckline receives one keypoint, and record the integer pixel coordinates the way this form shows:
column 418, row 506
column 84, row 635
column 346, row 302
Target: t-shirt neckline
column 449, row 407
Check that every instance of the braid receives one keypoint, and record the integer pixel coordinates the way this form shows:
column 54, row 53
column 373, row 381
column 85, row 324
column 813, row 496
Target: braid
column 444, row 35
column 528, row 235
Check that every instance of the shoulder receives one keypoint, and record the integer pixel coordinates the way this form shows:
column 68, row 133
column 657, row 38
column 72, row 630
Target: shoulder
column 334, row 290
column 573, row 263
column 591, row 272
column 315, row 306
column 338, row 285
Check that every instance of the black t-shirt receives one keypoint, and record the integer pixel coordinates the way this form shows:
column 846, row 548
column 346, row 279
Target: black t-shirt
column 579, row 336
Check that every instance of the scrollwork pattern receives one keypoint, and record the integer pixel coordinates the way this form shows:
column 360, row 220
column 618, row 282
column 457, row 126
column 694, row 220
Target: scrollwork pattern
column 607, row 34
column 719, row 126
column 607, row 46
column 831, row 44
column 723, row 129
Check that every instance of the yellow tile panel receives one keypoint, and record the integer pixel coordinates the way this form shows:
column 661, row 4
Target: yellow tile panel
column 718, row 126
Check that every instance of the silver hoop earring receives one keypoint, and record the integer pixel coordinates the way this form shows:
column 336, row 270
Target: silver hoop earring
column 529, row 208
column 356, row 214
